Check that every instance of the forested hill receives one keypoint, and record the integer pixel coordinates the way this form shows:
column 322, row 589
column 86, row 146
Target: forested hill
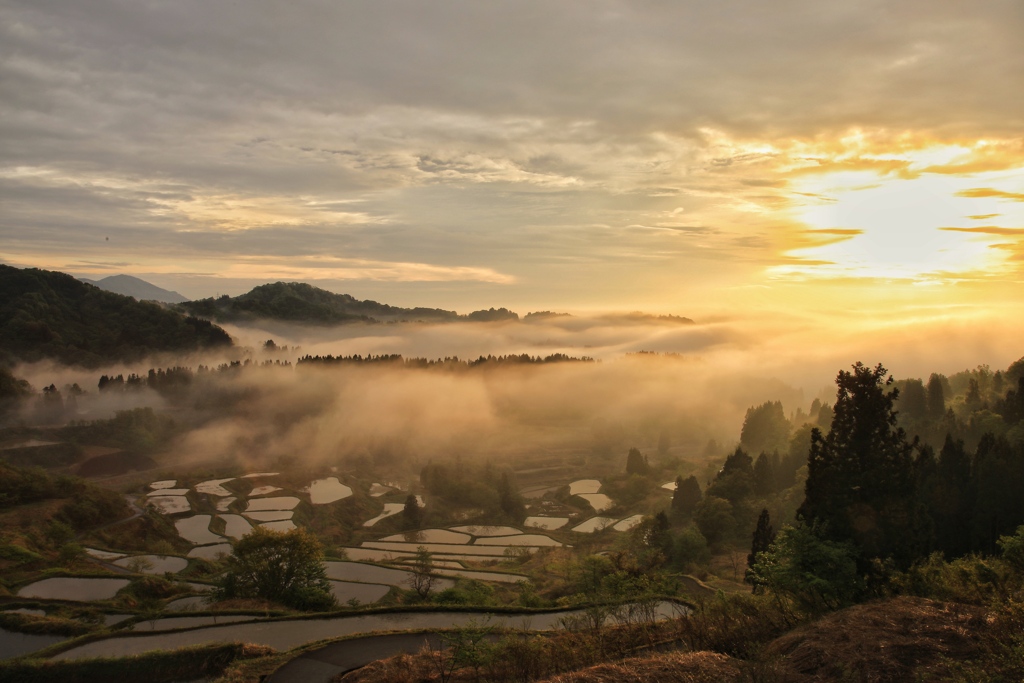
column 303, row 303
column 45, row 314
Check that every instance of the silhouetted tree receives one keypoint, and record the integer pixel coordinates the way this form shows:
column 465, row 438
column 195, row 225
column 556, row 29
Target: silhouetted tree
column 412, row 512
column 936, row 397
column 636, row 463
column 765, row 428
column 860, row 480
column 764, row 474
column 687, row 495
column 764, row 536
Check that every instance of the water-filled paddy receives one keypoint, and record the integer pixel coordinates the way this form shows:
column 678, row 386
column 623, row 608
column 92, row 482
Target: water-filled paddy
column 323, row 491
column 165, row 484
column 68, row 588
column 522, row 539
column 594, row 524
column 210, row 552
column 270, row 515
column 14, row 644
column 235, row 526
column 170, row 505
column 628, row 523
column 102, row 554
column 365, row 593
column 196, row 529
column 224, row 504
column 584, row 486
column 189, row 604
column 167, row 492
column 379, row 490
column 430, row 536
column 154, row 564
column 548, row 523
column 493, row 551
column 276, row 503
column 488, row 530
column 669, row 486
column 170, row 623
column 213, row 487
column 389, row 509
column 263, row 490
column 598, row 501
column 288, row 634
column 369, row 573
column 286, row 525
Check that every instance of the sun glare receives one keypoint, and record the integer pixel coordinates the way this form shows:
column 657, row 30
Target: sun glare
column 922, row 226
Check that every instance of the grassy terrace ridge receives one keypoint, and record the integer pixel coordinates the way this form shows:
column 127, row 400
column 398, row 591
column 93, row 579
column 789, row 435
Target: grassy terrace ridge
column 153, row 667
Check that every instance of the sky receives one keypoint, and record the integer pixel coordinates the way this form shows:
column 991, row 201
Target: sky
column 804, row 162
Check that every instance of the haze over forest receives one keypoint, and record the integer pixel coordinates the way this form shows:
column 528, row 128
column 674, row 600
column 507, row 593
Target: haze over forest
column 682, row 328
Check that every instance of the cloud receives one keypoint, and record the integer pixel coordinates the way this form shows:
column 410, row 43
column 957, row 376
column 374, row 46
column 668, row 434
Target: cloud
column 980, row 192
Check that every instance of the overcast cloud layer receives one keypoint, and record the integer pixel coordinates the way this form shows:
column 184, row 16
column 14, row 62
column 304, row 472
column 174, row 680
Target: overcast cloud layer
column 669, row 156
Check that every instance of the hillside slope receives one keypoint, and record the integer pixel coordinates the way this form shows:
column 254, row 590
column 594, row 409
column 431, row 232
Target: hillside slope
column 137, row 288
column 45, row 314
column 300, row 302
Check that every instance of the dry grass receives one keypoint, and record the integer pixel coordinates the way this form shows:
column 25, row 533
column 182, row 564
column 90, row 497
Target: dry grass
column 675, row 667
column 903, row 639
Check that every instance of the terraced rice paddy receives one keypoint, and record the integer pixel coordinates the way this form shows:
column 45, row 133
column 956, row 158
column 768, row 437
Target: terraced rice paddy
column 276, row 503
column 548, row 523
column 430, row 536
column 170, row 505
column 213, row 487
column 196, row 530
column 165, row 484
column 594, row 524
column 76, row 589
column 286, row 525
column 598, row 501
column 263, row 490
column 154, row 564
column 210, row 552
column 235, row 526
column 488, row 530
column 329, row 490
column 389, row 509
column 270, row 515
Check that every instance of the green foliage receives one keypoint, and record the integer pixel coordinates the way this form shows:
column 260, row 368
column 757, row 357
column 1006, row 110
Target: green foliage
column 764, row 536
column 814, row 573
column 466, row 592
column 690, row 549
column 141, row 430
column 735, row 481
column 281, row 567
column 687, row 496
column 53, row 315
column 714, row 518
column 860, row 484
column 765, row 428
column 464, row 485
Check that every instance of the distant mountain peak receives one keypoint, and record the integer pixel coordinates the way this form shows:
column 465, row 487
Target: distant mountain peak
column 141, row 290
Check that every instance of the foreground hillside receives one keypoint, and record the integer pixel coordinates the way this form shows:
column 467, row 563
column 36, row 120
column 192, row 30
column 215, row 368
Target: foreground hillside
column 47, row 314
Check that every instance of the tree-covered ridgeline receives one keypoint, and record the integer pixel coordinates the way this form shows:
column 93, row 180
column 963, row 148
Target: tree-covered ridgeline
column 50, row 315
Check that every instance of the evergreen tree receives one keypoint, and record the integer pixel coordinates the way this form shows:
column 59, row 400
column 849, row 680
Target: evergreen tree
column 950, row 502
column 764, row 474
column 860, row 479
column 765, row 428
column 412, row 512
column 764, row 536
column 636, row 463
column 936, row 397
column 687, row 495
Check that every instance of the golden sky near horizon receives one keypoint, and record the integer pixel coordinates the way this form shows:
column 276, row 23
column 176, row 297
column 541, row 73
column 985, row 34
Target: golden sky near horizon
column 806, row 159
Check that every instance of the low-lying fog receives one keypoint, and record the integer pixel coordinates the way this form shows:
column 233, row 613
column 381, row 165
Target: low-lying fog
column 700, row 392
